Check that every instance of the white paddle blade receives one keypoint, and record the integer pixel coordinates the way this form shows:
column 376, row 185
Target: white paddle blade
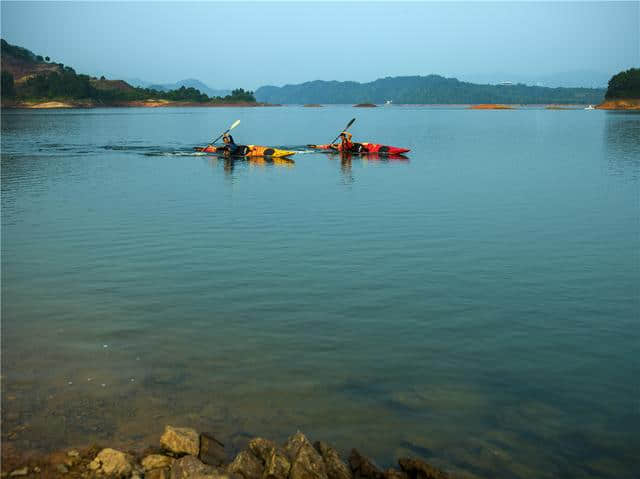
column 235, row 123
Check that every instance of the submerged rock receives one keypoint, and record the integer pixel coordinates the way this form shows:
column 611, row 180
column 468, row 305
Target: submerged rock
column 306, row 462
column 156, row 461
column 247, row 465
column 418, row 469
column 212, row 451
column 336, row 468
column 363, row 467
column 111, row 463
column 180, row 440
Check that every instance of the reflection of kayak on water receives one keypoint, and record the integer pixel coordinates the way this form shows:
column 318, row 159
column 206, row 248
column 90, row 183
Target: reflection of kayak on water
column 369, row 156
column 363, row 149
column 270, row 160
column 244, row 151
column 250, row 162
column 256, row 160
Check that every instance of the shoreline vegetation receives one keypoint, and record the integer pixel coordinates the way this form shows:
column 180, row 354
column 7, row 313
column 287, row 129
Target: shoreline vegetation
column 488, row 106
column 184, row 453
column 425, row 90
column 31, row 81
column 151, row 103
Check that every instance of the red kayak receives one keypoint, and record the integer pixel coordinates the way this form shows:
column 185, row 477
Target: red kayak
column 364, row 148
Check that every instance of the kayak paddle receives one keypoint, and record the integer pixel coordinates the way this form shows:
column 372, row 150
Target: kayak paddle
column 345, row 129
column 235, row 123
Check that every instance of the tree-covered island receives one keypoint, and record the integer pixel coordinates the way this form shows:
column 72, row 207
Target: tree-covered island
column 623, row 92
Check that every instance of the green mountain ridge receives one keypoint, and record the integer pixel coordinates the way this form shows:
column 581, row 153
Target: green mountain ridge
column 431, row 89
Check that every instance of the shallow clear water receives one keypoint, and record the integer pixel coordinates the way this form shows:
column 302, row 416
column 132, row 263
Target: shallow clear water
column 476, row 305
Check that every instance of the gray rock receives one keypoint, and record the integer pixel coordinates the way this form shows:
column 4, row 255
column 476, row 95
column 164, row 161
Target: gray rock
column 247, row 465
column 156, row 461
column 180, row 440
column 212, row 451
column 306, row 462
column 363, row 467
column 189, row 467
column 19, row 472
column 336, row 468
column 111, row 462
column 418, row 469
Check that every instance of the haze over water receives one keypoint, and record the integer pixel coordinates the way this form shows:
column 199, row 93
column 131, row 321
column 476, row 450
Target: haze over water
column 475, row 306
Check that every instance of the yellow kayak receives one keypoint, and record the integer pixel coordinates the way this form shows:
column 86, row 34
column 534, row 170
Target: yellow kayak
column 247, row 151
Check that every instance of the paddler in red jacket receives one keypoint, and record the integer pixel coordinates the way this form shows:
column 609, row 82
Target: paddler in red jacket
column 346, row 144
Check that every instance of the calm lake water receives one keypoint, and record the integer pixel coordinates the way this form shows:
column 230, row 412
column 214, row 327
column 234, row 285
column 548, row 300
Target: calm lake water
column 476, row 305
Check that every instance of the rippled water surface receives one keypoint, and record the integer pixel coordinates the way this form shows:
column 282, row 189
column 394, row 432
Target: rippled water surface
column 476, row 305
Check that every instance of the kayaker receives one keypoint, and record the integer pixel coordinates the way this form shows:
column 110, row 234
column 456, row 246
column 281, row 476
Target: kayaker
column 346, row 144
column 230, row 145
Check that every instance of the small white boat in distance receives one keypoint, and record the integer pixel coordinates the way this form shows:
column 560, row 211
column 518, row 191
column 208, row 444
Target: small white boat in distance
column 387, row 103
column 590, row 107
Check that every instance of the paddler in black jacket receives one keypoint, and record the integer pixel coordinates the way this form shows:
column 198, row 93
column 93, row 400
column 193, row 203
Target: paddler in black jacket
column 230, row 146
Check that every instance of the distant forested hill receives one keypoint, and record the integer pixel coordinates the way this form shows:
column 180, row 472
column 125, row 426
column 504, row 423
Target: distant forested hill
column 30, row 77
column 432, row 89
column 625, row 84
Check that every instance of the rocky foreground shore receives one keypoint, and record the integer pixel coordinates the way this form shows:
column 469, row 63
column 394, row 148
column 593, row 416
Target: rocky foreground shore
column 186, row 454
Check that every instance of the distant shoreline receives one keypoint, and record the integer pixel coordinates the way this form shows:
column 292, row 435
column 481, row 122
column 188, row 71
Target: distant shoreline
column 66, row 104
column 620, row 104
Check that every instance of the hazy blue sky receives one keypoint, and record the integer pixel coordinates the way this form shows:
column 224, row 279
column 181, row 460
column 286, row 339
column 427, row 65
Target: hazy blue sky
column 253, row 44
